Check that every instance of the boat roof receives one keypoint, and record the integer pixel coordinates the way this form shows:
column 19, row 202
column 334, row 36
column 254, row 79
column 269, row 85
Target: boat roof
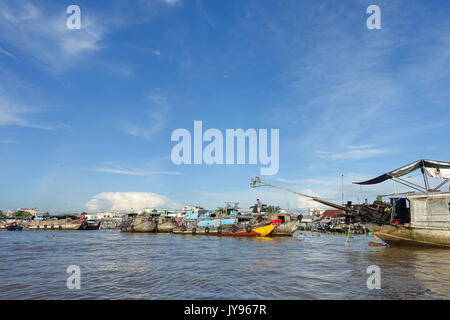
column 432, row 167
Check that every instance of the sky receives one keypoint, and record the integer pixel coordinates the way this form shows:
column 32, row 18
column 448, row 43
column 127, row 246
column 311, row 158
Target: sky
column 86, row 116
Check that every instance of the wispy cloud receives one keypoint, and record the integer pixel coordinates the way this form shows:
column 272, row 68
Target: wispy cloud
column 15, row 114
column 7, row 53
column 41, row 33
column 156, row 118
column 171, row 3
column 112, row 168
column 355, row 152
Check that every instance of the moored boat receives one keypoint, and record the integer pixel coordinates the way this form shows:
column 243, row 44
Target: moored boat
column 56, row 223
column 224, row 223
column 90, row 225
column 133, row 222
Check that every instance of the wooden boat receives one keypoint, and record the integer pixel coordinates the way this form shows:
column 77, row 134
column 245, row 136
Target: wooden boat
column 13, row 227
column 61, row 223
column 228, row 226
column 165, row 224
column 138, row 223
column 289, row 223
column 90, row 225
column 411, row 218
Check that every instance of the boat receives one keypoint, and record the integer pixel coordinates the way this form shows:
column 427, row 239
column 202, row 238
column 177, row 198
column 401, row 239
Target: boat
column 13, row 227
column 224, row 222
column 420, row 217
column 133, row 222
column 289, row 223
column 165, row 224
column 67, row 222
column 90, row 225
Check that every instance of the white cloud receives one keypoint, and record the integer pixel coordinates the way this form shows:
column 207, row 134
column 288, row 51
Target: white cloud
column 128, row 200
column 156, row 52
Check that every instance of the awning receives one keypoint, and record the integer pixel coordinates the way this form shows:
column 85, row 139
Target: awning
column 436, row 169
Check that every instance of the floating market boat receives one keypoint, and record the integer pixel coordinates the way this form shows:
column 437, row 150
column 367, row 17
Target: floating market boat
column 165, row 224
column 90, row 225
column 412, row 218
column 133, row 222
column 13, row 227
column 55, row 223
column 289, row 223
column 224, row 222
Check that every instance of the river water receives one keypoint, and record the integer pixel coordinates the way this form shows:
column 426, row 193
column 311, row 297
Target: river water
column 117, row 265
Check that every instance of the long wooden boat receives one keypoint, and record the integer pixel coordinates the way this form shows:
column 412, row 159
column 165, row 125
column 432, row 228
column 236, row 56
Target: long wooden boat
column 60, row 224
column 231, row 226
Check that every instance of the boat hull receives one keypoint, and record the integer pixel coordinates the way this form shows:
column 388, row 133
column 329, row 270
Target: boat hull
column 229, row 231
column 49, row 225
column 144, row 227
column 407, row 235
column 285, row 229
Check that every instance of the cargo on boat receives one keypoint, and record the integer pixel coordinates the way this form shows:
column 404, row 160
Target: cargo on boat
column 412, row 218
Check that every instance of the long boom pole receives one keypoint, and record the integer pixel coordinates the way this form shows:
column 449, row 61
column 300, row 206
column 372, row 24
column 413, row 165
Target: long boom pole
column 258, row 183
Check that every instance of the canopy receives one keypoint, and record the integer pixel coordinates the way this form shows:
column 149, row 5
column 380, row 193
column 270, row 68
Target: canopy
column 436, row 169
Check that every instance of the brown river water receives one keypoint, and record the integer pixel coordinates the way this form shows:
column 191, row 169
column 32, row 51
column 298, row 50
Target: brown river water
column 117, row 265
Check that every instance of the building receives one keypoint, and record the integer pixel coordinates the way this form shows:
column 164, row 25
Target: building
column 33, row 212
column 104, row 215
column 331, row 214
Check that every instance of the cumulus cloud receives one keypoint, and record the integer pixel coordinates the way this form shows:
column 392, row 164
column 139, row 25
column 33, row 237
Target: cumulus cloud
column 128, row 200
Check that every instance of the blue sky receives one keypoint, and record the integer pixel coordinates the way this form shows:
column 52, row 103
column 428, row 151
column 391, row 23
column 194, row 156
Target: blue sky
column 86, row 115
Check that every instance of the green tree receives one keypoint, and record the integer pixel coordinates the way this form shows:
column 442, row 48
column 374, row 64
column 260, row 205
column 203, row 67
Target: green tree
column 255, row 208
column 20, row 215
column 2, row 215
column 272, row 209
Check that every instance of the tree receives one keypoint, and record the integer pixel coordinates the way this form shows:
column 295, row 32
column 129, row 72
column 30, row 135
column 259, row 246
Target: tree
column 2, row 215
column 272, row 209
column 20, row 215
column 265, row 208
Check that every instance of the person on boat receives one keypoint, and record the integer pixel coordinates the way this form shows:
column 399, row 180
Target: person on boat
column 366, row 202
column 258, row 206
